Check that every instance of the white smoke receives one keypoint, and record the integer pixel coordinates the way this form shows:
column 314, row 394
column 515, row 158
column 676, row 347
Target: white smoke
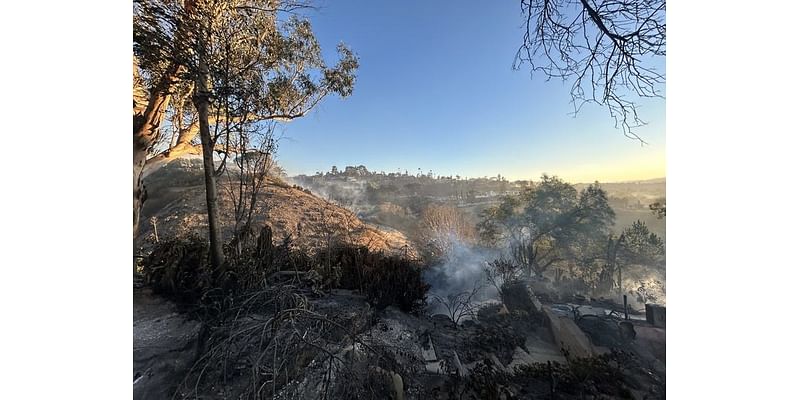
column 350, row 195
column 462, row 268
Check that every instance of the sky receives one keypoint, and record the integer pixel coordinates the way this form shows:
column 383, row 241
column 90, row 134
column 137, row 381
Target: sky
column 435, row 90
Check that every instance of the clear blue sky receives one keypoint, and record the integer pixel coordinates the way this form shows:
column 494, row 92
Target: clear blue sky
column 436, row 91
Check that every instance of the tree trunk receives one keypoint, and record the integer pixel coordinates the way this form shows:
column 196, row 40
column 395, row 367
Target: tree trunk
column 186, row 136
column 201, row 103
column 146, row 123
column 617, row 264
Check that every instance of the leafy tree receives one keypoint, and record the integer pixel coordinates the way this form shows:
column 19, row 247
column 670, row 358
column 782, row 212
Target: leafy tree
column 541, row 224
column 659, row 208
column 636, row 245
column 642, row 246
column 501, row 223
column 243, row 62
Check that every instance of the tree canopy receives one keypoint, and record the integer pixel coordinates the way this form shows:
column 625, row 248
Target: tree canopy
column 263, row 60
column 243, row 63
column 542, row 223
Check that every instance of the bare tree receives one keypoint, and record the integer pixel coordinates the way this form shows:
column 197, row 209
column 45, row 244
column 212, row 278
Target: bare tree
column 443, row 226
column 253, row 164
column 502, row 271
column 154, row 223
column 608, row 48
column 459, row 305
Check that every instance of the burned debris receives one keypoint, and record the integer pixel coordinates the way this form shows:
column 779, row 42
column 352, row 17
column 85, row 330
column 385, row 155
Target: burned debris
column 295, row 338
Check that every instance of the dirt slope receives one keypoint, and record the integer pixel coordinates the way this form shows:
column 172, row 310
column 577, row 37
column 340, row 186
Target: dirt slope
column 176, row 198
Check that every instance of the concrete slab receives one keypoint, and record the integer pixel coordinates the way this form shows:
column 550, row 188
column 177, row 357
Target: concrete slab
column 434, row 367
column 428, row 351
column 542, row 351
column 568, row 335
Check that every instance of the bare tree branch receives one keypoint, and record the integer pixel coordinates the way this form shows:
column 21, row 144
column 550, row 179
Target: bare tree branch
column 608, row 48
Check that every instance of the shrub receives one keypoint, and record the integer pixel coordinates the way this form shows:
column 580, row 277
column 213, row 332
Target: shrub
column 279, row 182
column 384, row 279
column 178, row 268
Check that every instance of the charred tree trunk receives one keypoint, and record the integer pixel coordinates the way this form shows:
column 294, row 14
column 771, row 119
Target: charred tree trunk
column 201, row 100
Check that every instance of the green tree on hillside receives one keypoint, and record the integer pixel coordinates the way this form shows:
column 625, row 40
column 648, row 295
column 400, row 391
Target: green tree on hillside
column 636, row 245
column 540, row 224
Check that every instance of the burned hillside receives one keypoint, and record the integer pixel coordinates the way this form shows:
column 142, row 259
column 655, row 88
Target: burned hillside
column 176, row 207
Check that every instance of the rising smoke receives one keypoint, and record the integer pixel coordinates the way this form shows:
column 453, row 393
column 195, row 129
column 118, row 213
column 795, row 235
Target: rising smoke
column 461, row 269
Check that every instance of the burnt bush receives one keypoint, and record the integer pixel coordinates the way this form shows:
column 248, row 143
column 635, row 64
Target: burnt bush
column 384, row 279
column 598, row 376
column 370, row 374
column 178, row 268
column 518, row 296
column 605, row 376
column 499, row 337
column 255, row 259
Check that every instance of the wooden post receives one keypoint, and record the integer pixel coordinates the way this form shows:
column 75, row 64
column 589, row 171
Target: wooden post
column 154, row 222
column 625, row 305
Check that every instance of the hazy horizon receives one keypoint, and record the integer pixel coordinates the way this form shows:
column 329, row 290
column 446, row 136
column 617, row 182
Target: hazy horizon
column 569, row 177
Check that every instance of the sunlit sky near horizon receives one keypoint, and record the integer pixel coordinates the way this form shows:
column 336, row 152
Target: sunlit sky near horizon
column 436, row 91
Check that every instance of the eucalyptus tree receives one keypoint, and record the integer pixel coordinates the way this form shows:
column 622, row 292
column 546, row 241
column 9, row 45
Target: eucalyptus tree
column 241, row 62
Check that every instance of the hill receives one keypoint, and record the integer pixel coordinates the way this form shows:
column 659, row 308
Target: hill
column 176, row 204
